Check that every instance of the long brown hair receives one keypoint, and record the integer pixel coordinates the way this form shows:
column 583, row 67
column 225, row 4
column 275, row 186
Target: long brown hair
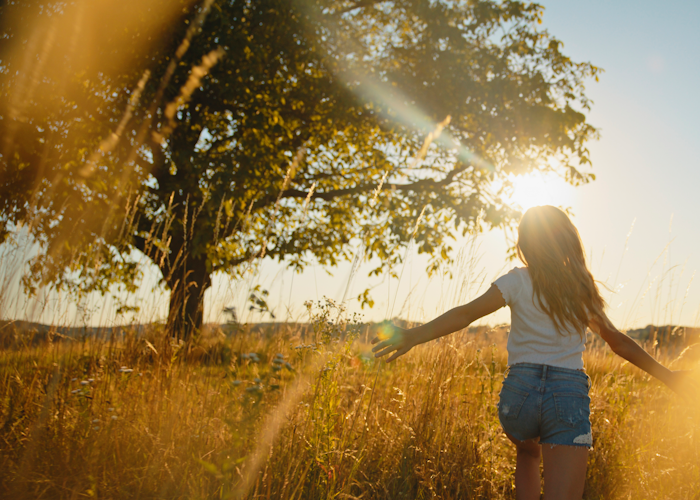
column 550, row 247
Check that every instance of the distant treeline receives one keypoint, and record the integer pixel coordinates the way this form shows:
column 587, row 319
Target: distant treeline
column 13, row 333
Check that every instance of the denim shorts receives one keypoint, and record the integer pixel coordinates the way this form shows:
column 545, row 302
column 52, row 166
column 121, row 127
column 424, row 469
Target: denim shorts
column 548, row 402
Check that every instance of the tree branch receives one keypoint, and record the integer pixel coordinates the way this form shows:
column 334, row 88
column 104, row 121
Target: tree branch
column 364, row 188
column 140, row 244
column 217, row 143
column 359, row 5
column 248, row 256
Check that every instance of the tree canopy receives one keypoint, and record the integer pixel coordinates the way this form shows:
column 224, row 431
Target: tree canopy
column 211, row 135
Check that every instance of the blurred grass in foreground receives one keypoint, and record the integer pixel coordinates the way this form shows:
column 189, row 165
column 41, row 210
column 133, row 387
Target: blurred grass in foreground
column 307, row 413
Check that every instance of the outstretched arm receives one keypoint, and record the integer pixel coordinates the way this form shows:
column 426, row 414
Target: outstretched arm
column 625, row 347
column 402, row 341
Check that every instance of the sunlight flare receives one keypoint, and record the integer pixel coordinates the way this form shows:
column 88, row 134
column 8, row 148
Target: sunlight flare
column 537, row 188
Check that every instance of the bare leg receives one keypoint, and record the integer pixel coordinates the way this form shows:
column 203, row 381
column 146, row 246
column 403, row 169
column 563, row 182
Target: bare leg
column 564, row 471
column 527, row 469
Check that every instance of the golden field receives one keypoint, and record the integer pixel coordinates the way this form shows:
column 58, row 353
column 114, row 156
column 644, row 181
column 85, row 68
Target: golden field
column 305, row 412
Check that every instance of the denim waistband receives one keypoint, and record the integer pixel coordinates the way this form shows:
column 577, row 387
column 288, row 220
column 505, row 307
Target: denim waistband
column 547, row 371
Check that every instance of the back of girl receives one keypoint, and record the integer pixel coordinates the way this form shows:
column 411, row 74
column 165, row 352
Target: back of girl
column 544, row 406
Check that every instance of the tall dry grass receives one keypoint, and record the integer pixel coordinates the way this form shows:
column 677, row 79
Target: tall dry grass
column 307, row 413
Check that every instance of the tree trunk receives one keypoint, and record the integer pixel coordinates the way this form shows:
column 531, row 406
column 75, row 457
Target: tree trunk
column 187, row 286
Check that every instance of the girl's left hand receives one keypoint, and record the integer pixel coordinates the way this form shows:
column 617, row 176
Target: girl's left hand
column 683, row 383
column 392, row 338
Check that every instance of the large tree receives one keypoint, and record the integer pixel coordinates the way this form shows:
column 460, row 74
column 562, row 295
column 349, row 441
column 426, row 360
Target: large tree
column 210, row 136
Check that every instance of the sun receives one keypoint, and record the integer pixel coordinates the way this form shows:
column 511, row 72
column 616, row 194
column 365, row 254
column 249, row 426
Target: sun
column 537, row 188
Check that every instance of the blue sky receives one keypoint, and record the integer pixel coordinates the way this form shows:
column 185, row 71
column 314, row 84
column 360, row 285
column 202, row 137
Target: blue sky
column 646, row 162
column 646, row 105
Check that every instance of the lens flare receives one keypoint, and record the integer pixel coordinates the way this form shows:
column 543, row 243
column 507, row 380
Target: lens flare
column 397, row 107
column 385, row 331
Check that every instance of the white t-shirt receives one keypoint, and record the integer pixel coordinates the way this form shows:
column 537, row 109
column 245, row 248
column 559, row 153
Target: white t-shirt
column 533, row 336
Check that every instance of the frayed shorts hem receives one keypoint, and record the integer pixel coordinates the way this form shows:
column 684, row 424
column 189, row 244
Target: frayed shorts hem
column 588, row 447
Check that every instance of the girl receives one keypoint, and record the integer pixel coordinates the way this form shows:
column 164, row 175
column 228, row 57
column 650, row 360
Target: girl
column 544, row 399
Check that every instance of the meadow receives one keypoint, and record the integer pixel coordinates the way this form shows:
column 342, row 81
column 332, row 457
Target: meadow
column 291, row 410
column 303, row 411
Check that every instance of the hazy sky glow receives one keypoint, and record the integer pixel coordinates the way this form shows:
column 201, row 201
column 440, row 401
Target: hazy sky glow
column 646, row 106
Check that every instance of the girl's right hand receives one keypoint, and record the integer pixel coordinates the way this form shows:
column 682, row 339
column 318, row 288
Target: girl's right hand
column 392, row 338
